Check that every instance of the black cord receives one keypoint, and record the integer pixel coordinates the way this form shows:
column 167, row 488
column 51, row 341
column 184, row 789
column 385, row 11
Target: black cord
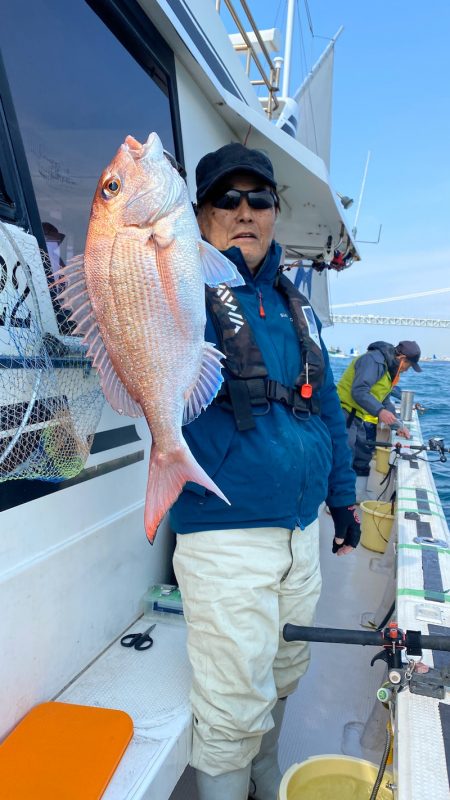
column 386, row 618
column 385, row 756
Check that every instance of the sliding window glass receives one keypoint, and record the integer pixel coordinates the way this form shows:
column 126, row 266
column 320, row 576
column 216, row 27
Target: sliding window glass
column 77, row 93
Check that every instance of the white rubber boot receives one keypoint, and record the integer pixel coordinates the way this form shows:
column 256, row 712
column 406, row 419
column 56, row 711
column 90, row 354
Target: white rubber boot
column 228, row 786
column 265, row 775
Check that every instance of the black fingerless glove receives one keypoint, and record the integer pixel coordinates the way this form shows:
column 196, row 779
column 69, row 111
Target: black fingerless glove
column 346, row 526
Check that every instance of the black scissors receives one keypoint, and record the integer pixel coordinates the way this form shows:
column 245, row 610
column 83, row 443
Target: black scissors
column 140, row 641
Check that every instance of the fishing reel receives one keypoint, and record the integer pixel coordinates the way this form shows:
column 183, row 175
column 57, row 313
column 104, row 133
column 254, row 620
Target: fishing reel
column 436, row 444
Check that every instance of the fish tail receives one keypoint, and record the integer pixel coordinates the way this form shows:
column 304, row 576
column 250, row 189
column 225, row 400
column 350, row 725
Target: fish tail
column 167, row 475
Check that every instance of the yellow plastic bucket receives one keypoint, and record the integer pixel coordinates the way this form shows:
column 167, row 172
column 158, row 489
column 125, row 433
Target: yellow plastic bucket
column 376, row 524
column 332, row 777
column 382, row 459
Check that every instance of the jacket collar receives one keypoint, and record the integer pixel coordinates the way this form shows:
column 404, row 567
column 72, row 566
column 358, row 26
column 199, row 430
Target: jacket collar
column 267, row 270
column 388, row 352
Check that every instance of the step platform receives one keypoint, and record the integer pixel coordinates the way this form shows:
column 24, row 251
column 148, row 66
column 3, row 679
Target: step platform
column 61, row 745
column 149, row 754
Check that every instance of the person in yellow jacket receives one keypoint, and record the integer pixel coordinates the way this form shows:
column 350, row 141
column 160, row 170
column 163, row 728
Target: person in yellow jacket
column 364, row 391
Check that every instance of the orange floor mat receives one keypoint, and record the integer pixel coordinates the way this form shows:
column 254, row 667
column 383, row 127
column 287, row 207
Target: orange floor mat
column 61, row 751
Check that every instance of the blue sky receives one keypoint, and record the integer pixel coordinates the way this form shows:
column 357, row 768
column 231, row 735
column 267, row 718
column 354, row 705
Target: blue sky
column 391, row 96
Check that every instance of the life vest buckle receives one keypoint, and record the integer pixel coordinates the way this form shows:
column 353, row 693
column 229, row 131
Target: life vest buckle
column 301, row 413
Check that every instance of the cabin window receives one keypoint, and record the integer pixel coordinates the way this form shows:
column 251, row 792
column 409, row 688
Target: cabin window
column 6, row 202
column 11, row 205
column 77, row 92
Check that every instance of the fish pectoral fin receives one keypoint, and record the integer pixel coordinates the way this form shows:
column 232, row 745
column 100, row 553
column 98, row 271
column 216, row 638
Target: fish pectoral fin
column 163, row 234
column 217, row 268
column 207, row 385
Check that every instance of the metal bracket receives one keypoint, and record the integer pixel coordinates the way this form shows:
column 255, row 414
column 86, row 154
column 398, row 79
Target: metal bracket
column 430, row 684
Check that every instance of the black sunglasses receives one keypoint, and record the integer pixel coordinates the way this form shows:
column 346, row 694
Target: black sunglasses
column 258, row 199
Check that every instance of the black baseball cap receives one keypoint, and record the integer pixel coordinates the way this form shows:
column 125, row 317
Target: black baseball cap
column 234, row 157
column 411, row 351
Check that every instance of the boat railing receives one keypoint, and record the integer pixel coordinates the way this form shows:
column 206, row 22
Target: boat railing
column 270, row 71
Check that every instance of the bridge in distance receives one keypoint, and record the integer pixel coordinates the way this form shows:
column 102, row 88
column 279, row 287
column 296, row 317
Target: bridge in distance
column 374, row 319
column 378, row 319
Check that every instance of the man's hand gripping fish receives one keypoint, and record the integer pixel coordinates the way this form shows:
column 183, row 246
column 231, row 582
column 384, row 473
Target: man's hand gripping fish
column 138, row 300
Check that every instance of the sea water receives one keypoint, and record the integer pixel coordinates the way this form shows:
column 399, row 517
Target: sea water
column 431, row 389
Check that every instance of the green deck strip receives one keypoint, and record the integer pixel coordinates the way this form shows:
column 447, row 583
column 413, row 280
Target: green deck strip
column 413, row 499
column 414, row 488
column 445, row 550
column 425, row 594
column 416, row 511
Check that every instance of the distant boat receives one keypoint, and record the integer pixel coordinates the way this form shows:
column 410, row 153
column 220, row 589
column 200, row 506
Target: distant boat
column 354, row 351
column 336, row 352
column 437, row 359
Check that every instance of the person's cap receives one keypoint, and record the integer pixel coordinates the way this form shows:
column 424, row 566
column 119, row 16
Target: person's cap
column 52, row 234
column 234, row 157
column 411, row 351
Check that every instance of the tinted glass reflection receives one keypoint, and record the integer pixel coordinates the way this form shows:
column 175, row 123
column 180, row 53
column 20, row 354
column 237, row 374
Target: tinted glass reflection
column 77, row 94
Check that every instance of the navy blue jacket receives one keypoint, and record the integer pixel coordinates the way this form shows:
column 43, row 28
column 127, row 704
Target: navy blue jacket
column 278, row 473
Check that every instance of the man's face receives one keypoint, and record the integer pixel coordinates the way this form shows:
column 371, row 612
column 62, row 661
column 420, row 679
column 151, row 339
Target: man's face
column 404, row 364
column 252, row 230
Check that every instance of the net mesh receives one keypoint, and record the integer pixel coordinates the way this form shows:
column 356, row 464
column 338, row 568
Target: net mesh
column 50, row 396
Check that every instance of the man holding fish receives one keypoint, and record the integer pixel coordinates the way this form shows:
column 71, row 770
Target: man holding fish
column 244, row 478
column 274, row 441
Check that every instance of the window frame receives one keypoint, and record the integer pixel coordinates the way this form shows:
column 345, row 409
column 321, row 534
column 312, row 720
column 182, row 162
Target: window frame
column 13, row 161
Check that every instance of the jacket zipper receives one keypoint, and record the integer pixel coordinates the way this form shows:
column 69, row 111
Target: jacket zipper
column 262, row 313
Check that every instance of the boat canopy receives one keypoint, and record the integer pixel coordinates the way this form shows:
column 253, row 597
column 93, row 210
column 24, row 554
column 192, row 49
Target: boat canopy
column 311, row 224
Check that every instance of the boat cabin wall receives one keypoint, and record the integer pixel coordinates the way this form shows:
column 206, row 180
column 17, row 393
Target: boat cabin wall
column 202, row 127
column 75, row 565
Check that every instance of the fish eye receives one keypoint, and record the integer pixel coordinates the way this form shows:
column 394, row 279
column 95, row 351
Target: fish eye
column 111, row 187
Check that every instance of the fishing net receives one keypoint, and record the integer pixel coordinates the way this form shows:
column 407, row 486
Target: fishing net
column 50, row 396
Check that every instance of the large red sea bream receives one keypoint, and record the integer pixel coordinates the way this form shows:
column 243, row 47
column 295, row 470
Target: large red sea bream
column 138, row 300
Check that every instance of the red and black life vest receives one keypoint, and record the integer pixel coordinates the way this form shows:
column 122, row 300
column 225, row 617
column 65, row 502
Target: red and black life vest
column 250, row 390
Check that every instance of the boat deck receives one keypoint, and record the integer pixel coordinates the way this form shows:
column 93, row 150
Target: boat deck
column 335, row 709
column 327, row 714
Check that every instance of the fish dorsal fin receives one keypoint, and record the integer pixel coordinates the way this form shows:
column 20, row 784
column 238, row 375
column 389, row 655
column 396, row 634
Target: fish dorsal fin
column 208, row 383
column 75, row 298
column 217, row 268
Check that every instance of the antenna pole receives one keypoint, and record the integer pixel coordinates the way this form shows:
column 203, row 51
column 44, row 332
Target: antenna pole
column 363, row 184
column 288, row 48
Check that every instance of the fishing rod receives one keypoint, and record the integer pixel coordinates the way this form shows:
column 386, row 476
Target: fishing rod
column 421, row 679
column 435, row 444
column 393, row 639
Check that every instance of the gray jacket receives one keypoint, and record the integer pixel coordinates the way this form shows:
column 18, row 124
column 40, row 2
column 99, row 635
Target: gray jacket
column 369, row 368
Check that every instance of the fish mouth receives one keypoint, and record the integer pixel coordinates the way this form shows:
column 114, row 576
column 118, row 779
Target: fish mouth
column 149, row 154
column 152, row 148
